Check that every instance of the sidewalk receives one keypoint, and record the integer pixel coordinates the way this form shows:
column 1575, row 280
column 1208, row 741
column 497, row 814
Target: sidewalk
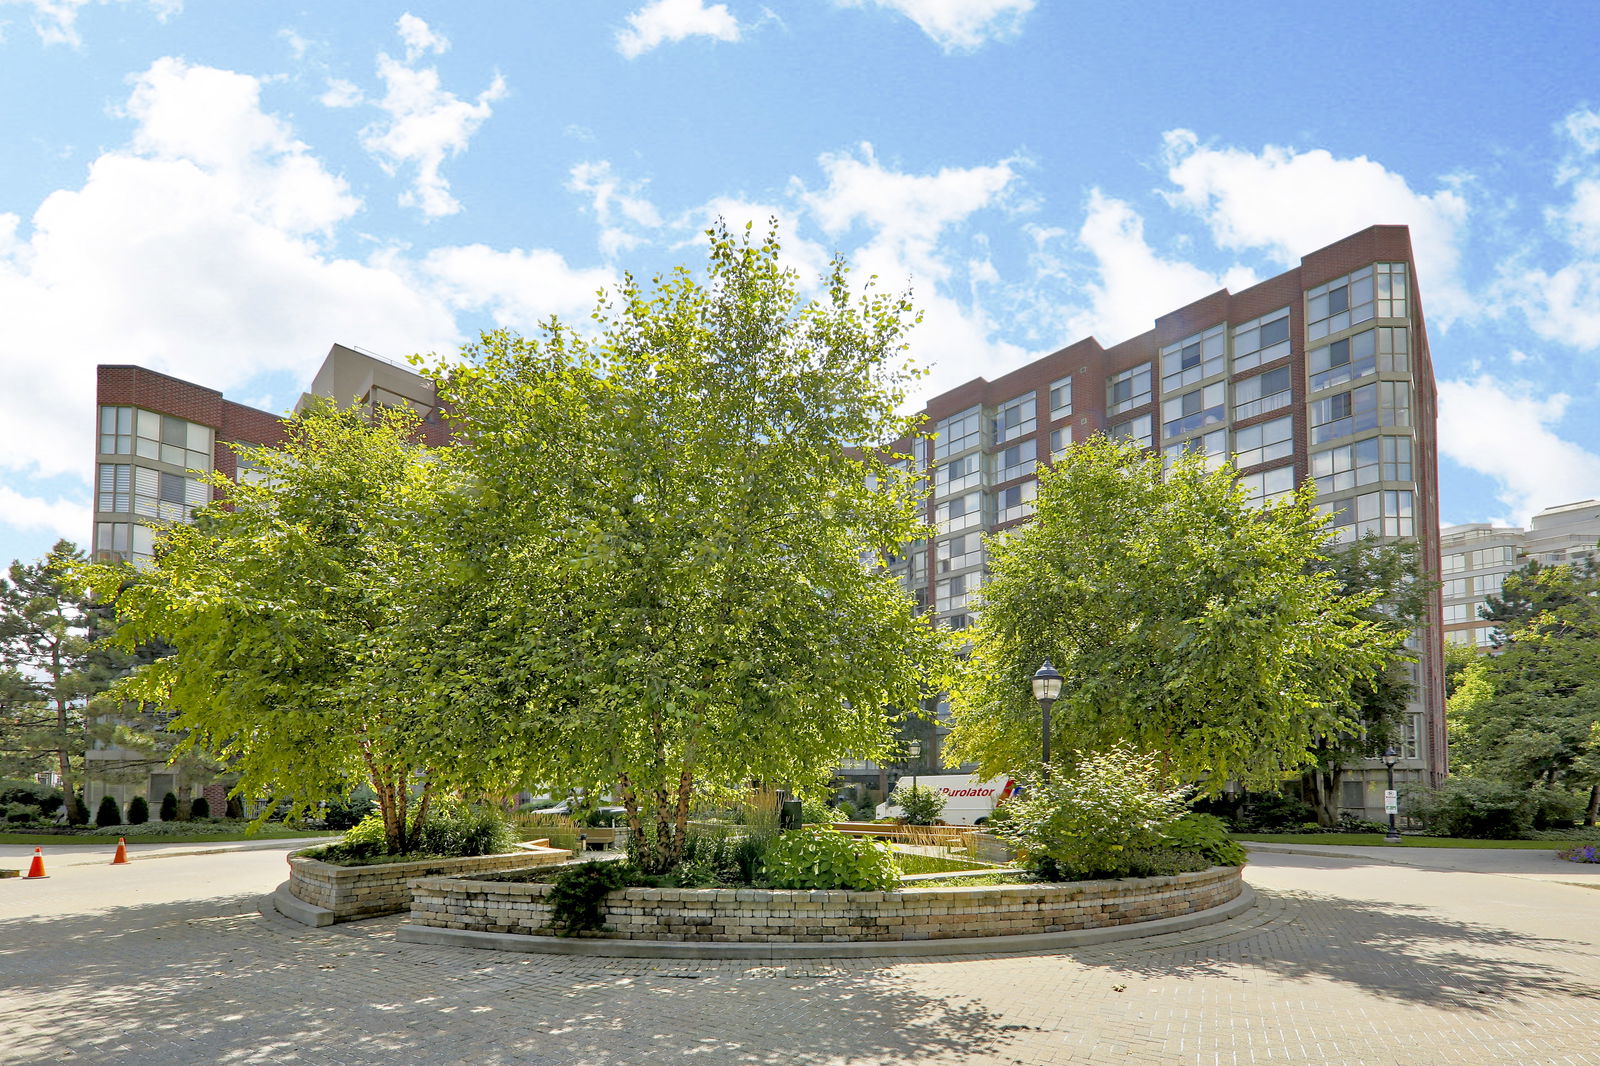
column 81, row 853
column 1512, row 862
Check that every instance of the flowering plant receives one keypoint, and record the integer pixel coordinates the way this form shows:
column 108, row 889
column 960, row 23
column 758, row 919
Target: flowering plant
column 1581, row 853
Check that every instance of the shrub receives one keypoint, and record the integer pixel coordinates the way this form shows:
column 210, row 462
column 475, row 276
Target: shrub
column 577, row 896
column 78, row 813
column 452, row 830
column 1164, row 862
column 1089, row 823
column 32, row 794
column 1349, row 823
column 346, row 813
column 815, row 811
column 920, row 805
column 109, row 813
column 138, row 810
column 1272, row 812
column 18, row 813
column 827, row 859
column 200, row 808
column 169, row 808
column 1556, row 810
column 1473, row 808
column 1581, row 853
column 1208, row 836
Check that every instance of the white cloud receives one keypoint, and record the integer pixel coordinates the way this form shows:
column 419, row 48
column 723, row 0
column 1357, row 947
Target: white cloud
column 1133, row 282
column 669, row 21
column 341, row 93
column 419, row 39
column 1288, row 203
column 1531, row 464
column 619, row 206
column 518, row 288
column 959, row 25
column 63, row 518
column 425, row 123
column 1563, row 304
column 56, row 21
column 203, row 249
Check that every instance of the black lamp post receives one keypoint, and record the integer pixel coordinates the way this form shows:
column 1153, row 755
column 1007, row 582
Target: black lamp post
column 914, row 750
column 1390, row 757
column 1046, row 689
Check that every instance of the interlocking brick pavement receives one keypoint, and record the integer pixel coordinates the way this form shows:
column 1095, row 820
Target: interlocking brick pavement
column 1342, row 962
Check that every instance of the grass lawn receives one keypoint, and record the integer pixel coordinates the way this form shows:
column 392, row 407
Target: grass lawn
column 1414, row 841
column 109, row 836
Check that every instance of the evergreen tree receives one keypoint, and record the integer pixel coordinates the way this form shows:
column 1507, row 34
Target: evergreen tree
column 108, row 814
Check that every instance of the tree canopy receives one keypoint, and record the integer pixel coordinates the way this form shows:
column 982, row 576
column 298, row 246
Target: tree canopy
column 1185, row 621
column 674, row 532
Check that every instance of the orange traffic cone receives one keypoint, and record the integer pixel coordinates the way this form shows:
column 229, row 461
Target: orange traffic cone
column 122, row 852
column 36, row 868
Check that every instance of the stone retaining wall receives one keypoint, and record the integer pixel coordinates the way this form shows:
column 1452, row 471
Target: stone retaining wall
column 768, row 916
column 353, row 892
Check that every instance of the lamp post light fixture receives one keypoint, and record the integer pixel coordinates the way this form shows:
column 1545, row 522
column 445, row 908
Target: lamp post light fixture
column 1046, row 689
column 1391, row 798
column 914, row 750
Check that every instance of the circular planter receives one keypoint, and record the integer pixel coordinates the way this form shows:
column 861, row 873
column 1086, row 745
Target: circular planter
column 705, row 923
column 328, row 893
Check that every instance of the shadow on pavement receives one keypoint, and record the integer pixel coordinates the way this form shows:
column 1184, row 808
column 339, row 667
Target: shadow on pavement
column 213, row 981
column 1395, row 951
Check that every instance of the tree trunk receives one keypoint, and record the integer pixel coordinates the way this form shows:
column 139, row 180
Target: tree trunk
column 639, row 842
column 64, row 761
column 1594, row 805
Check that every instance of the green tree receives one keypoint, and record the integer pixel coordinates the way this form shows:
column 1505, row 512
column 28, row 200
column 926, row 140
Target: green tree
column 44, row 657
column 1392, row 572
column 1528, row 715
column 297, row 623
column 1185, row 621
column 666, row 556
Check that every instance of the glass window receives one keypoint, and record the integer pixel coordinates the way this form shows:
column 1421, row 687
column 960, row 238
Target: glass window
column 1339, row 304
column 1347, row 466
column 955, row 593
column 116, row 487
column 1016, row 501
column 1061, row 398
column 1391, row 290
column 1396, row 458
column 1128, row 390
column 1014, row 419
column 1262, row 393
column 1060, row 441
column 1194, row 410
column 960, row 474
column 1346, row 413
column 1261, row 341
column 1264, row 443
column 1267, row 485
column 1394, row 349
column 1453, row 563
column 1136, row 429
column 1193, row 359
column 1457, row 587
column 959, row 513
column 1394, row 403
column 960, row 552
column 958, row 433
column 116, row 430
column 1344, row 360
column 1388, row 513
column 1018, row 460
column 1213, row 445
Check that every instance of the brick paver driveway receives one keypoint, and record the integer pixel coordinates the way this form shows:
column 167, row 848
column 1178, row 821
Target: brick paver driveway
column 1344, row 961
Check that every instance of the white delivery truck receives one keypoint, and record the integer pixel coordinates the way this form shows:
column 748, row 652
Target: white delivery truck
column 967, row 801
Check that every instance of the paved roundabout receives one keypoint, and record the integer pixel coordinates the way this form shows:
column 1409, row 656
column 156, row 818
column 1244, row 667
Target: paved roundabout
column 1347, row 960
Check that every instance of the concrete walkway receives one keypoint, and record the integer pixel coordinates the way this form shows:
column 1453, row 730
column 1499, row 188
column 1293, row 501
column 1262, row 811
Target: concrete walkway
column 80, row 853
column 1345, row 961
column 1517, row 862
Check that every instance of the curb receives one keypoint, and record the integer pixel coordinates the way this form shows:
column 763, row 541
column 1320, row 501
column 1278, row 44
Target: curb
column 1291, row 849
column 287, row 905
column 976, row 945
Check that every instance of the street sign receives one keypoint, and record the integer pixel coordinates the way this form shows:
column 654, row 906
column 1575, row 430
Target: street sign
column 1391, row 801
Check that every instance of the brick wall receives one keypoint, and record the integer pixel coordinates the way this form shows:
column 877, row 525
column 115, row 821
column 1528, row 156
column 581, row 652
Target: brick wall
column 353, row 892
column 767, row 916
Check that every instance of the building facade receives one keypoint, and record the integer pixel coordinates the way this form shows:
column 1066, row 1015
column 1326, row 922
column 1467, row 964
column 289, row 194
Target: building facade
column 1321, row 372
column 1475, row 559
column 157, row 438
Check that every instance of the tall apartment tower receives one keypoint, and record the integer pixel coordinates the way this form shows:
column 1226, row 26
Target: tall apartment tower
column 1321, row 372
column 156, row 437
column 1475, row 559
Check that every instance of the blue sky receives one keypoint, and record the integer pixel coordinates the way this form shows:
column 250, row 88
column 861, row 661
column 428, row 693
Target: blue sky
column 221, row 191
